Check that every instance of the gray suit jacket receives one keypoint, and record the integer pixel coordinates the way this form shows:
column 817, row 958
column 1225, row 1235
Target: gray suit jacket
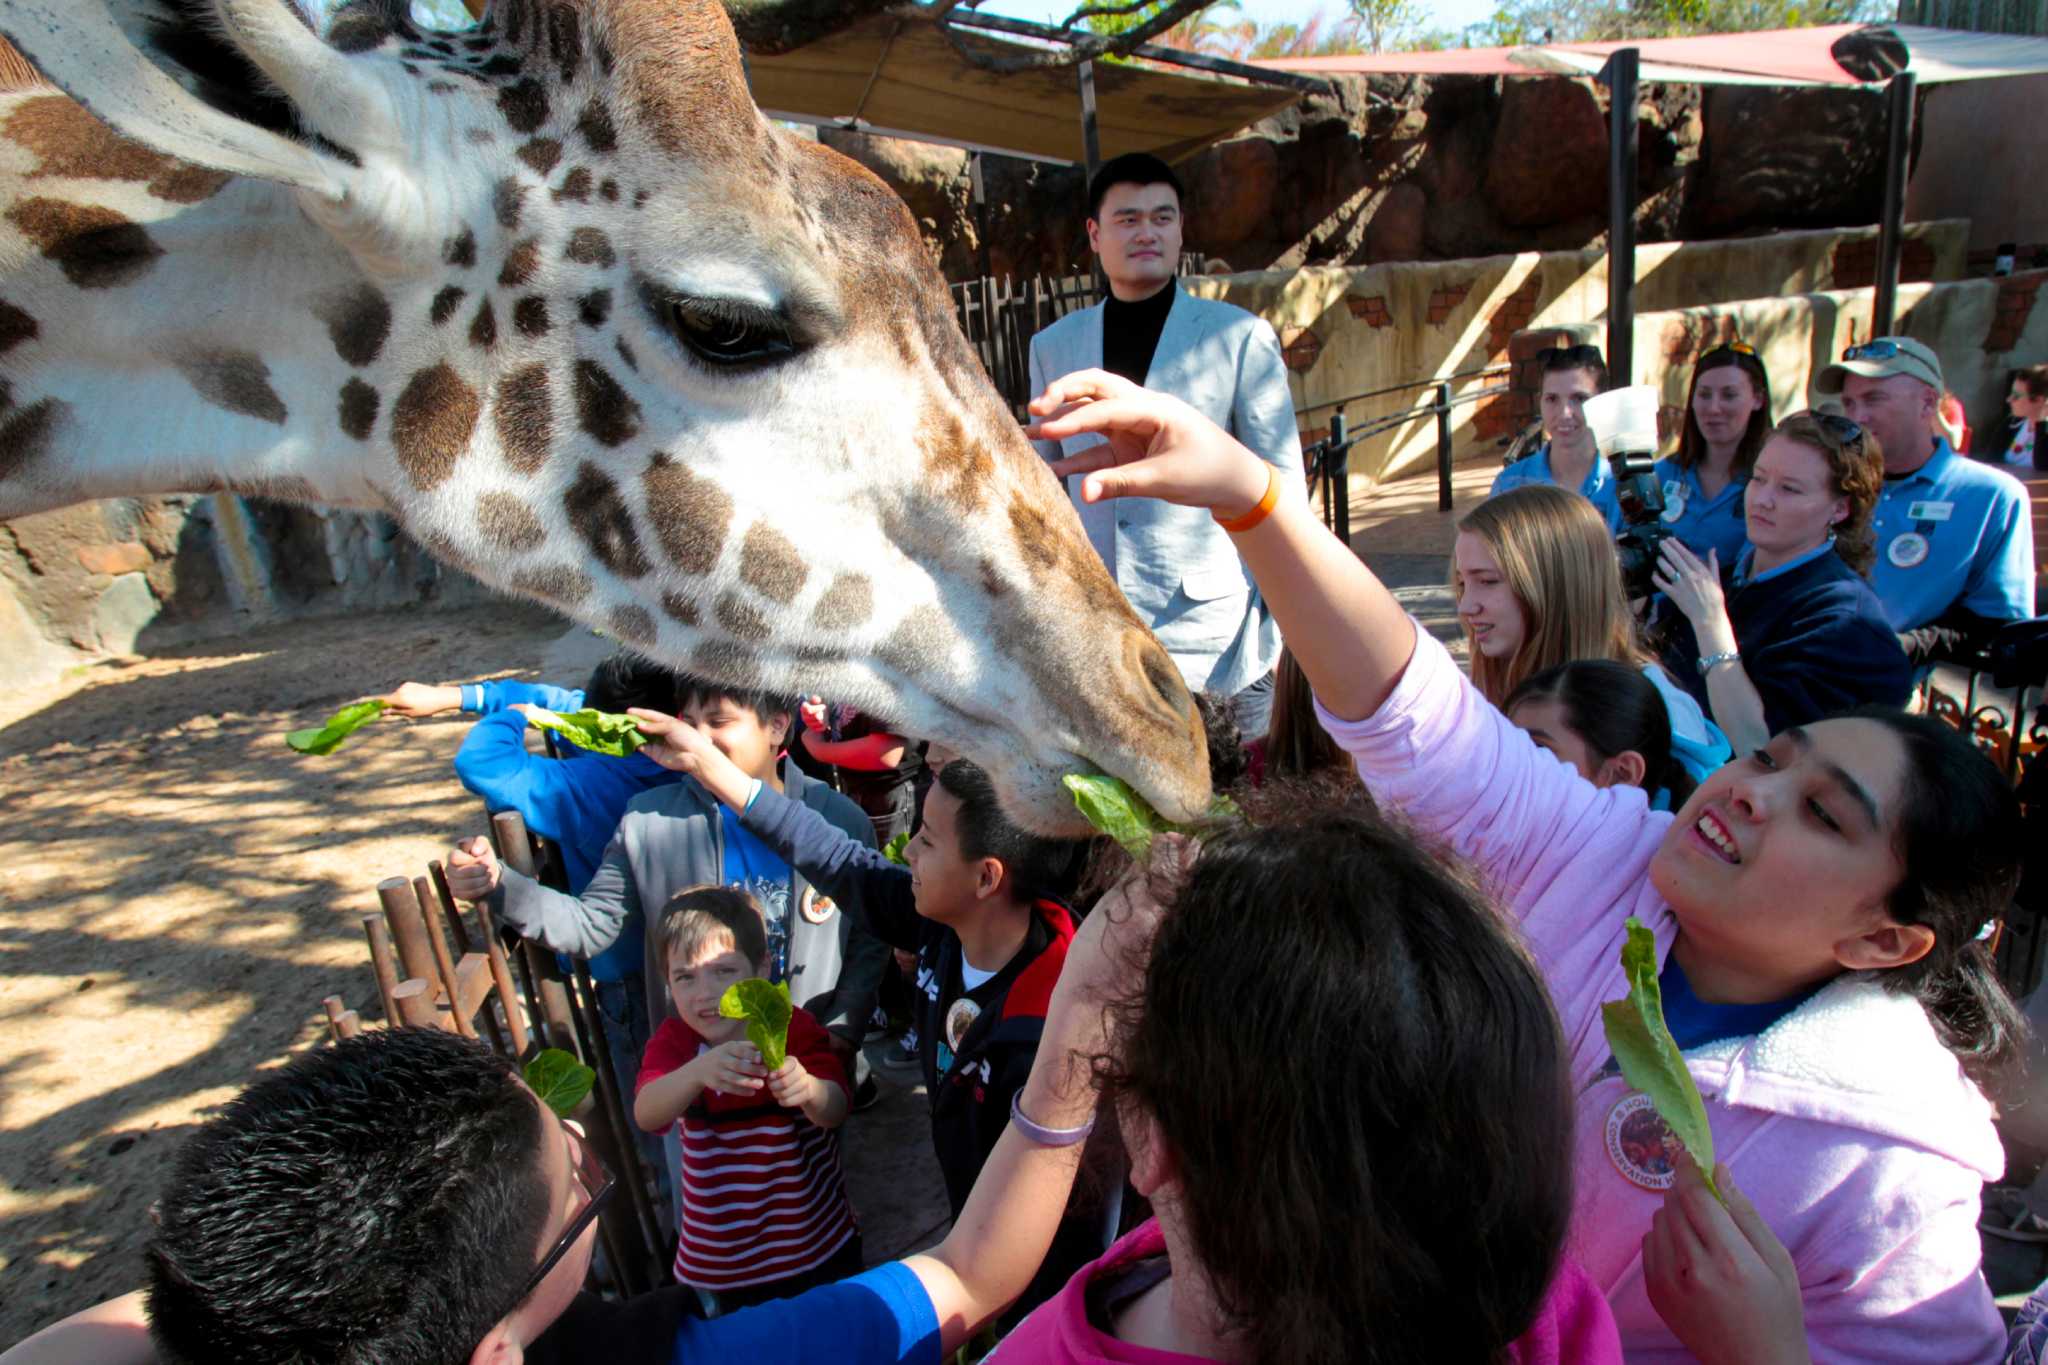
column 1175, row 564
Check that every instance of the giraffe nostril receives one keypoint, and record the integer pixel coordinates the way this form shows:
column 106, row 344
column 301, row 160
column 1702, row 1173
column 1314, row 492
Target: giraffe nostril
column 1165, row 681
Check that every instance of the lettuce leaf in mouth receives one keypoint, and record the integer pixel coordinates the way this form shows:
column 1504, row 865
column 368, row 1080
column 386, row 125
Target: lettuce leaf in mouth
column 601, row 732
column 767, row 1010
column 559, row 1080
column 893, row 850
column 325, row 739
column 1112, row 807
column 1649, row 1057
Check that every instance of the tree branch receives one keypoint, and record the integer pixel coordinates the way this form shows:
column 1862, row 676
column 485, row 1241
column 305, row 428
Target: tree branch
column 773, row 27
column 1082, row 46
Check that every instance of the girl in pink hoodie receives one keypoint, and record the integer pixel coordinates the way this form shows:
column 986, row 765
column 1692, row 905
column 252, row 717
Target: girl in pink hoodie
column 1816, row 909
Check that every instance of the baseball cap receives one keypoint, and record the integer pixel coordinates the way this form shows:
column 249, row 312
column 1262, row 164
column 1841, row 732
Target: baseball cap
column 1881, row 358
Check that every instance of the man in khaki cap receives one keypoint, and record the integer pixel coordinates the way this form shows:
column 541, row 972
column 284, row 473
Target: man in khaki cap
column 1955, row 540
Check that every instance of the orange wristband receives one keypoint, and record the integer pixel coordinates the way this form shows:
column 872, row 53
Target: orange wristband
column 1263, row 509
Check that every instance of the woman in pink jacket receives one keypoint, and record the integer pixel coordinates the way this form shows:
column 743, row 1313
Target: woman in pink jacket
column 1816, row 909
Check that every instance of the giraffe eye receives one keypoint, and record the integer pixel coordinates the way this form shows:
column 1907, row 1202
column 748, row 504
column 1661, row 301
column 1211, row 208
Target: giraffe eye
column 726, row 333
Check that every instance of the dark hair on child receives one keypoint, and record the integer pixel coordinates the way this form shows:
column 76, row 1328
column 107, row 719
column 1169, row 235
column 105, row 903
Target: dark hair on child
column 694, row 913
column 1614, row 709
column 378, row 1202
column 1132, row 168
column 625, row 679
column 1296, row 742
column 2034, row 379
column 1039, row 868
column 1958, row 835
column 692, row 690
column 1363, row 1086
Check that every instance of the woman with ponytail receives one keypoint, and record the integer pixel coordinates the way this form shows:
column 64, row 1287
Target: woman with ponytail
column 1815, row 909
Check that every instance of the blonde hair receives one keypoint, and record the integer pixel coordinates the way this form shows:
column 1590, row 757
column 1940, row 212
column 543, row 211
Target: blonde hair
column 1557, row 557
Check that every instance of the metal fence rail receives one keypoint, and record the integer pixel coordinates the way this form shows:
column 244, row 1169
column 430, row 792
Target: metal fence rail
column 1327, row 462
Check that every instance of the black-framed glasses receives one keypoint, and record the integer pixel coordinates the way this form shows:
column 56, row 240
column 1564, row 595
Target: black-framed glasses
column 1872, row 350
column 598, row 1186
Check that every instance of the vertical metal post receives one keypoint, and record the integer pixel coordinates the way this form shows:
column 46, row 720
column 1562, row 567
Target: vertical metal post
column 1339, row 465
column 978, row 196
column 1890, row 243
column 1621, row 80
column 1091, row 140
column 1443, row 447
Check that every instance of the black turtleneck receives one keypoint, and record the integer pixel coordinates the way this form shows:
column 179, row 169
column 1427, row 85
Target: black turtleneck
column 1130, row 332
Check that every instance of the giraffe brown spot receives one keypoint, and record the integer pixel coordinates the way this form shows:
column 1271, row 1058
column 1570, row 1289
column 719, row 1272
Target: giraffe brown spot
column 15, row 327
column 238, row 381
column 589, row 246
column 480, row 137
column 514, row 12
column 991, row 580
column 595, row 123
column 595, row 307
column 602, row 50
column 626, row 354
column 741, row 619
column 25, row 436
column 923, row 636
column 95, row 247
column 565, row 40
column 499, row 67
column 524, row 105
column 680, row 608
column 530, row 316
column 408, row 68
column 543, row 154
column 690, row 515
column 525, row 417
column 575, row 186
column 1035, row 540
column 358, row 322
column 431, row 424
column 634, row 625
column 770, row 564
column 70, row 142
column 600, row 516
column 509, row 524
column 639, row 199
column 183, row 184
column 357, row 27
column 559, row 584
column 460, row 250
column 358, row 409
column 445, row 301
column 609, row 191
column 442, row 87
column 962, row 465
column 604, row 409
column 483, row 328
column 847, row 603
column 520, row 263
column 506, row 198
column 727, row 663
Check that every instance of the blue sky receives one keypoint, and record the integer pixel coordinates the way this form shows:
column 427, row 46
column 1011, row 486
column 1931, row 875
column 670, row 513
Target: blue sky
column 1451, row 15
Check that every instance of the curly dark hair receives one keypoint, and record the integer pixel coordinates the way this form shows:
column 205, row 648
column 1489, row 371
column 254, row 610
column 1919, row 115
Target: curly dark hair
column 1855, row 473
column 1363, row 1086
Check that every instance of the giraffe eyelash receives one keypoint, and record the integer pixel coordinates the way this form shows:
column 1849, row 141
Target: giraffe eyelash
column 723, row 333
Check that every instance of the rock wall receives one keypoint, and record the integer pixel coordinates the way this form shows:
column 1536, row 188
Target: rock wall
column 1417, row 168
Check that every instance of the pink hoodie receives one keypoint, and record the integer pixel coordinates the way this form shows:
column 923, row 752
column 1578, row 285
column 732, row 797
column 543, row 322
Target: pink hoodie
column 1852, row 1129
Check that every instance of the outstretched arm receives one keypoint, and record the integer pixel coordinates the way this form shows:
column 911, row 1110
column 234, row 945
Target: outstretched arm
column 112, row 1333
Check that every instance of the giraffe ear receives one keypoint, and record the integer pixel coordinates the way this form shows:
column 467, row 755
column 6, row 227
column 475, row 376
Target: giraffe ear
column 148, row 70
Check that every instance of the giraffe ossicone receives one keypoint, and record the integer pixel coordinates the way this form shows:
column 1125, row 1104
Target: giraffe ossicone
column 553, row 293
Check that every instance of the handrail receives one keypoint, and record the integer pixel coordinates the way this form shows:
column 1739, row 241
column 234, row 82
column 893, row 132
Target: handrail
column 1328, row 462
column 1400, row 388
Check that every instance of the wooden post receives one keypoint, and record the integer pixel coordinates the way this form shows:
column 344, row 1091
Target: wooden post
column 416, row 1008
column 515, row 850
column 408, row 929
column 449, row 907
column 342, row 1021
column 501, row 978
column 383, row 963
column 444, row 965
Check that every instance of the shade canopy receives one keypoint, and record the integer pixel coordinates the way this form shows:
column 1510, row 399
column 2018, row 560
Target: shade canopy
column 897, row 75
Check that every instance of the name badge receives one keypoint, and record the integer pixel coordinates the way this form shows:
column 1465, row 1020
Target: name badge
column 1674, row 501
column 1930, row 511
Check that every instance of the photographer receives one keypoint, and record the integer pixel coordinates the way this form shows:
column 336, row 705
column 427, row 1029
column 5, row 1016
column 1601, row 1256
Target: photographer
column 1796, row 634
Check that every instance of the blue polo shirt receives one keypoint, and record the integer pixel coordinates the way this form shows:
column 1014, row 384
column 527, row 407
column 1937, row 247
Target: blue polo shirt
column 1700, row 522
column 1598, row 485
column 1979, row 542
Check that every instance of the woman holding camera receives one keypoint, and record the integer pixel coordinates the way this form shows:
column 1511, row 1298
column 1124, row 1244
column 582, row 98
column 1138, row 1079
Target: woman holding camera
column 1567, row 457
column 1727, row 418
column 1793, row 631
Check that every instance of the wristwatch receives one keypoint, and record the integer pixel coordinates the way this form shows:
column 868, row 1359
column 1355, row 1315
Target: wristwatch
column 1714, row 661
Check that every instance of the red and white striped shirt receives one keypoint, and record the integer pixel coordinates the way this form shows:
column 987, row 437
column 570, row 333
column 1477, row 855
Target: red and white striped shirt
column 763, row 1194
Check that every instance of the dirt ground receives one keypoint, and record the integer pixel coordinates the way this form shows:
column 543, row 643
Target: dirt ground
column 178, row 892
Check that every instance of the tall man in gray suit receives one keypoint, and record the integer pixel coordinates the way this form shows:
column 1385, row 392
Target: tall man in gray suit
column 1175, row 564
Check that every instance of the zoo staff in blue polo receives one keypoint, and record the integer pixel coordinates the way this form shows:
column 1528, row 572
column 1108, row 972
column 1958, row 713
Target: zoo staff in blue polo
column 1955, row 537
column 1727, row 419
column 1568, row 457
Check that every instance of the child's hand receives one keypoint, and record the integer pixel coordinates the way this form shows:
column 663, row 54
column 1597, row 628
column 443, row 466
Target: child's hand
column 1719, row 1277
column 473, row 871
column 732, row 1068
column 815, row 714
column 792, row 1087
column 682, row 748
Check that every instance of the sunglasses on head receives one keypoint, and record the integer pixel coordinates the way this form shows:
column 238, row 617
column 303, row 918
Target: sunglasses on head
column 1730, row 348
column 1570, row 355
column 1841, row 428
column 1872, row 350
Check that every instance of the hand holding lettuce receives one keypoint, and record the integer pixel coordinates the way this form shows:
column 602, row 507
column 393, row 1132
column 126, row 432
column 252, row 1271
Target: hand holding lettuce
column 325, row 739
column 600, row 732
column 767, row 1011
column 1650, row 1059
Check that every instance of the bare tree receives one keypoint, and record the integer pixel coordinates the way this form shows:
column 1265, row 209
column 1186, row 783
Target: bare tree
column 1381, row 23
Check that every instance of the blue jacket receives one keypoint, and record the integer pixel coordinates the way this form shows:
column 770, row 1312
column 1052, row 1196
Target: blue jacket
column 575, row 800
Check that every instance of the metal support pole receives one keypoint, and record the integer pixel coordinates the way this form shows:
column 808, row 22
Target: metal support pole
column 1340, row 480
column 1890, row 243
column 1621, row 80
column 1091, row 140
column 1443, row 447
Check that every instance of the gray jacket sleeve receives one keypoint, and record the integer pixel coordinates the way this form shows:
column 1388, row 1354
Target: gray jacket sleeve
column 1262, row 413
column 581, row 926
column 1047, row 450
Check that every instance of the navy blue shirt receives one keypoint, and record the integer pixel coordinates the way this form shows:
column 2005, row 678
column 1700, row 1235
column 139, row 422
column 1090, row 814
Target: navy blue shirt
column 1695, row 1022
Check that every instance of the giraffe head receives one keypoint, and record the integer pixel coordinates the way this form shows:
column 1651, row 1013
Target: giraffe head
column 554, row 293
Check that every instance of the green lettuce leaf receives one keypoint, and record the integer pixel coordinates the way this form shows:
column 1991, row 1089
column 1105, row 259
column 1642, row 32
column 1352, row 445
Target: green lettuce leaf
column 600, row 732
column 1112, row 807
column 893, row 850
column 1650, row 1060
column 766, row 1010
column 559, row 1079
column 343, row 723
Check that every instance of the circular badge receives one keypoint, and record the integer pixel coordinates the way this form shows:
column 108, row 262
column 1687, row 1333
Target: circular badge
column 959, row 1019
column 1640, row 1144
column 1907, row 551
column 816, row 909
column 1674, row 500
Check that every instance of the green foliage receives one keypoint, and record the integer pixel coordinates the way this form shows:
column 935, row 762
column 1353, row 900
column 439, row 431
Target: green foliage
column 601, row 732
column 1518, row 23
column 767, row 1011
column 1113, row 808
column 327, row 738
column 1650, row 1059
column 893, row 850
column 1385, row 24
column 559, row 1079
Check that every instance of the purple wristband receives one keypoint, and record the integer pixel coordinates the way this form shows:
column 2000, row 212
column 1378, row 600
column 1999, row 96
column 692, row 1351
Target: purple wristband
column 1045, row 1137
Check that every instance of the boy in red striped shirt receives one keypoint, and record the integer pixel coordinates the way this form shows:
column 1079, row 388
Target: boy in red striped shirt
column 764, row 1212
